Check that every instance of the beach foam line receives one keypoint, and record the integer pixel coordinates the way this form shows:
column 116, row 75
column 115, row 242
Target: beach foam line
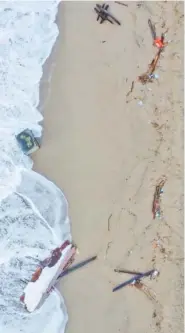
column 33, row 211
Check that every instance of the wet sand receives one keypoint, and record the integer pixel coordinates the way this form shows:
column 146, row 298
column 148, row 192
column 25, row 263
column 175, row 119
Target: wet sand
column 107, row 152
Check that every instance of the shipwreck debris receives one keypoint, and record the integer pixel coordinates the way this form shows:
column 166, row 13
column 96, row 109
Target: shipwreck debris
column 77, row 266
column 152, row 29
column 151, row 295
column 117, row 270
column 152, row 274
column 27, row 141
column 45, row 276
column 149, row 75
column 104, row 14
column 156, row 205
column 157, row 41
column 121, row 3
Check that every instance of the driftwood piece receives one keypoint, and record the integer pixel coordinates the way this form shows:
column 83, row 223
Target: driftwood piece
column 147, row 77
column 104, row 14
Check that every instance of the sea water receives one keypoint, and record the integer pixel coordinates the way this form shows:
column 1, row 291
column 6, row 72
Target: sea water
column 33, row 211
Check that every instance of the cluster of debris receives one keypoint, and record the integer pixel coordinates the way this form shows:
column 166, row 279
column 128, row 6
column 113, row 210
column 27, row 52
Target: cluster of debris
column 103, row 14
column 160, row 43
column 48, row 273
column 56, row 266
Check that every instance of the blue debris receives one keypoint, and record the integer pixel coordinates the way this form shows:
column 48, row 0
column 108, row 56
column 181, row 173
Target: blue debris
column 79, row 265
column 137, row 277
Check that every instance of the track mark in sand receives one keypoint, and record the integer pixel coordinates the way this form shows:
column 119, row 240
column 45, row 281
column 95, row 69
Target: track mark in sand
column 109, row 218
column 173, row 231
column 158, row 308
column 131, row 89
column 113, row 233
column 141, row 182
column 107, row 249
column 130, row 212
column 132, row 215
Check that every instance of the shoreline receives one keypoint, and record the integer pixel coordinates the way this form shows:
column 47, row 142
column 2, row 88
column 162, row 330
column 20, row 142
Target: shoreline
column 100, row 151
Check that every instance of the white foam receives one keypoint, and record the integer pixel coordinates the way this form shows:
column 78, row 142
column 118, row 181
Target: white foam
column 33, row 211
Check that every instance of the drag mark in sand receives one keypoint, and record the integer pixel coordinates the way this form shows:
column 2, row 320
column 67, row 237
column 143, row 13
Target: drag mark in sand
column 109, row 218
column 141, row 182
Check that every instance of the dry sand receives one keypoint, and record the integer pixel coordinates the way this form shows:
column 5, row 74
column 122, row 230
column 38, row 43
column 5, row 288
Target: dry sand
column 101, row 148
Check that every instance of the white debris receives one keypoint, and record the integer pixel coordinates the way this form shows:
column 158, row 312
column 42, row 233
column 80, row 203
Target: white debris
column 155, row 273
column 140, row 103
column 34, row 291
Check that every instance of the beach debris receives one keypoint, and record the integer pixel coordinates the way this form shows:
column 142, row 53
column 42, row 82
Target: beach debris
column 154, row 76
column 152, row 274
column 155, row 125
column 149, row 75
column 156, row 207
column 46, row 274
column 157, row 41
column 152, row 29
column 154, row 62
column 104, row 14
column 139, row 4
column 151, row 295
column 121, row 3
column 158, row 243
column 121, row 270
column 77, row 266
column 140, row 103
column 27, row 141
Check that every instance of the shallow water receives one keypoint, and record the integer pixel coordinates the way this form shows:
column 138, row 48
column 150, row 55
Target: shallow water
column 33, row 211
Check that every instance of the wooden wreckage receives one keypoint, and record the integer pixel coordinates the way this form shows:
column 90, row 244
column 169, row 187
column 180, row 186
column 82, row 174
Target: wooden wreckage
column 46, row 275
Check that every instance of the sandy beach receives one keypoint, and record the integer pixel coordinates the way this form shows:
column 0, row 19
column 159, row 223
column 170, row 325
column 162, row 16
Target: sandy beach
column 106, row 149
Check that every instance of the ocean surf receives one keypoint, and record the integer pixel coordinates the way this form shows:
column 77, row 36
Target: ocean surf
column 33, row 211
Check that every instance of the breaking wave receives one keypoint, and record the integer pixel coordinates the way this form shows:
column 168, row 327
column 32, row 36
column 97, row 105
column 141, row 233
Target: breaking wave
column 33, row 211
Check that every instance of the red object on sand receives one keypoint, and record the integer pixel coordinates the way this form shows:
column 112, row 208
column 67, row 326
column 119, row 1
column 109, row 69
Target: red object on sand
column 156, row 208
column 159, row 43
